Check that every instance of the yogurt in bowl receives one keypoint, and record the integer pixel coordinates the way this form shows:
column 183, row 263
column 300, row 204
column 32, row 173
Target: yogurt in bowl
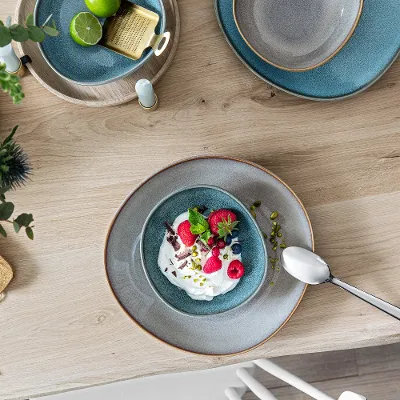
column 203, row 252
column 203, row 269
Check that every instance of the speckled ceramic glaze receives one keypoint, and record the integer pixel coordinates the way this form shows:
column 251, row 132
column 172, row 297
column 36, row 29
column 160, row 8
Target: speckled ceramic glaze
column 297, row 35
column 370, row 51
column 94, row 65
column 240, row 329
column 254, row 255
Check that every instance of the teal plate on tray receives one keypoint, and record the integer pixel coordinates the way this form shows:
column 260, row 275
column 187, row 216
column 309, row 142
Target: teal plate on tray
column 94, row 65
column 254, row 253
column 371, row 50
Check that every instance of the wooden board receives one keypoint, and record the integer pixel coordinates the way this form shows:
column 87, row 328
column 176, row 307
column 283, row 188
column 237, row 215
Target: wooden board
column 118, row 92
column 61, row 328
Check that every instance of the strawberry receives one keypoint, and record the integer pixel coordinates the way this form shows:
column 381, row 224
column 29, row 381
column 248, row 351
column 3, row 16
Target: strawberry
column 235, row 269
column 222, row 222
column 213, row 264
column 187, row 237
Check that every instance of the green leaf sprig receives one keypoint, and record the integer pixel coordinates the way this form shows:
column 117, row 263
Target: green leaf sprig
column 30, row 31
column 199, row 225
column 10, row 84
column 6, row 212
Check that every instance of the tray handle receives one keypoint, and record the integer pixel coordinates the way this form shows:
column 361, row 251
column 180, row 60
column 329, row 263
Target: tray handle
column 165, row 37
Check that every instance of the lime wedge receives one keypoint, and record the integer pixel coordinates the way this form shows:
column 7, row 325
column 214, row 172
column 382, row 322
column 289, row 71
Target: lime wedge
column 85, row 29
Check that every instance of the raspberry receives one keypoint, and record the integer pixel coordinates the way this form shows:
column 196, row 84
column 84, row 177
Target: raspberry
column 221, row 244
column 210, row 241
column 187, row 237
column 215, row 251
column 235, row 269
column 213, row 264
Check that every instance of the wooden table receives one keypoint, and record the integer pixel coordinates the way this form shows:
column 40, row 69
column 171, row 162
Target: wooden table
column 60, row 327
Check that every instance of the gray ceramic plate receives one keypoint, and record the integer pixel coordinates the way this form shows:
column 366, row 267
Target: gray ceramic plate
column 296, row 35
column 257, row 320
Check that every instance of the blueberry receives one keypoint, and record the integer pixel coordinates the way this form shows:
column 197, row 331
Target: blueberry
column 236, row 248
column 235, row 234
column 228, row 240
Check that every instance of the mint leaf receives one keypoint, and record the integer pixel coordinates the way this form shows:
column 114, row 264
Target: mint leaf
column 205, row 236
column 197, row 229
column 198, row 224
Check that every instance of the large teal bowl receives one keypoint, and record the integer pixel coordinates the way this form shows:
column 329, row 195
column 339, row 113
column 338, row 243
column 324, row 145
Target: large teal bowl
column 254, row 253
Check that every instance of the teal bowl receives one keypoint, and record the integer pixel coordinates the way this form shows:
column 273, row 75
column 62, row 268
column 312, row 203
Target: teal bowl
column 254, row 252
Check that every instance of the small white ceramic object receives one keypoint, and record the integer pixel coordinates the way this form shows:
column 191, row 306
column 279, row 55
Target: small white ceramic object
column 310, row 268
column 146, row 96
column 8, row 56
column 297, row 35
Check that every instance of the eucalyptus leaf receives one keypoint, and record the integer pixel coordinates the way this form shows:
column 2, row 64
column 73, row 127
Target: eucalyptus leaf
column 24, row 219
column 29, row 232
column 5, row 36
column 19, row 33
column 6, row 210
column 50, row 31
column 29, row 20
column 4, row 189
column 36, row 34
column 3, row 231
column 16, row 226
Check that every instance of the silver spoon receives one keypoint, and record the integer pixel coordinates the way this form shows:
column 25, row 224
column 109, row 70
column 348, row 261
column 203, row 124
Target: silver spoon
column 311, row 268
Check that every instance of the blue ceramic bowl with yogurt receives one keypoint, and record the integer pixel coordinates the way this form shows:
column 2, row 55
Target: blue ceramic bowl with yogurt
column 180, row 288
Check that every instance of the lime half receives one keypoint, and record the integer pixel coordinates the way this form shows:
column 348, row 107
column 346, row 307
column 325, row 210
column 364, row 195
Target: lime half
column 85, row 29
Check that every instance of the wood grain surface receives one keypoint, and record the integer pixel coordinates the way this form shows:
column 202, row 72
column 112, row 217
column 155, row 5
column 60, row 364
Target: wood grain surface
column 60, row 327
column 111, row 94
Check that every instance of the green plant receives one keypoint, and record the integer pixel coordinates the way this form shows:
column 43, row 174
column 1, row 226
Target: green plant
column 30, row 31
column 14, row 171
column 10, row 84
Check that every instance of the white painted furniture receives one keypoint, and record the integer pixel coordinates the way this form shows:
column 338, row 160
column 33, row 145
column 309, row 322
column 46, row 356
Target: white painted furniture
column 224, row 383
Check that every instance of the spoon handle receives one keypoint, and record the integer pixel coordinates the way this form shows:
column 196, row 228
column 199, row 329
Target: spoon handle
column 369, row 298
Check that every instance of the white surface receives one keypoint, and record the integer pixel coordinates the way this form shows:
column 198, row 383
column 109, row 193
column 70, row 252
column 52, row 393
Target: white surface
column 145, row 92
column 203, row 385
column 214, row 384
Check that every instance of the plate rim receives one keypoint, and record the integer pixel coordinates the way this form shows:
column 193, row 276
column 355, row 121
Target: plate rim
column 105, row 82
column 293, row 93
column 311, row 67
column 179, row 162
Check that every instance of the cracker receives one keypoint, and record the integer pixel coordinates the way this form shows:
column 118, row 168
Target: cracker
column 6, row 274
